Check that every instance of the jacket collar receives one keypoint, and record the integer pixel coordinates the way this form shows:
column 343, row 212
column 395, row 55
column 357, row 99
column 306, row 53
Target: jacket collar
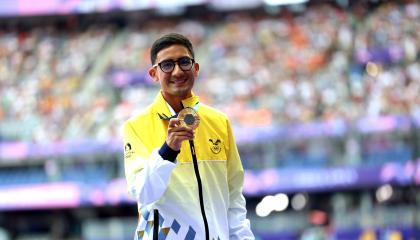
column 161, row 108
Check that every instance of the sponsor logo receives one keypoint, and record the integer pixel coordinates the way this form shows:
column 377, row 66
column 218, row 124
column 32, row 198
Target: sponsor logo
column 128, row 151
column 127, row 147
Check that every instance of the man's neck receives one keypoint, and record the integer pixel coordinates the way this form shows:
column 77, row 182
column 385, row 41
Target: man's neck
column 175, row 102
column 176, row 105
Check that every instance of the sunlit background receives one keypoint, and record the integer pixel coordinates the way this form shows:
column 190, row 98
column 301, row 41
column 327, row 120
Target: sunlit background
column 324, row 97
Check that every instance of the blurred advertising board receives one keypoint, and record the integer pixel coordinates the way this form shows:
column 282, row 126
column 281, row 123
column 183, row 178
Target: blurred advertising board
column 114, row 192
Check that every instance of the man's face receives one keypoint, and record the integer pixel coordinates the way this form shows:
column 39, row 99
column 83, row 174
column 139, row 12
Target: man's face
column 177, row 83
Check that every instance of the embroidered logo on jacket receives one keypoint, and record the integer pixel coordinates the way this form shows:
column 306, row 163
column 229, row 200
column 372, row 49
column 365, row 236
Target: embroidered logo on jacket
column 127, row 147
column 128, row 151
column 216, row 147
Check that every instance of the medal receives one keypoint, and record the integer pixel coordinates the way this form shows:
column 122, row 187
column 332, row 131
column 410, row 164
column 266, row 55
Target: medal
column 189, row 117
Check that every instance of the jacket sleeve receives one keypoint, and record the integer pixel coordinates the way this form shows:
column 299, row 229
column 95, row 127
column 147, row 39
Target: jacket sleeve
column 239, row 225
column 147, row 174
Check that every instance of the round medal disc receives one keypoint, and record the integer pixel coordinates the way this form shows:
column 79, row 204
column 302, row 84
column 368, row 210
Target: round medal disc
column 189, row 117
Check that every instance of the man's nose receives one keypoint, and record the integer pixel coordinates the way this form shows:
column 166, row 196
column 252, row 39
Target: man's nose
column 177, row 70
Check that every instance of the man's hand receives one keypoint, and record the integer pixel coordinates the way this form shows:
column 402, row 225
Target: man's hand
column 177, row 133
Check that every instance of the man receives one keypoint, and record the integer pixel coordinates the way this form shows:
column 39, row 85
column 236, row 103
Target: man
column 187, row 182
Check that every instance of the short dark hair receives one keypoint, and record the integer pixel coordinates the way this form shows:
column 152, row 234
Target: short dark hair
column 168, row 40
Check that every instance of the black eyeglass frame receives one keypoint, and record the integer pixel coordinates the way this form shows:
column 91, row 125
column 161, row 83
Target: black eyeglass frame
column 175, row 62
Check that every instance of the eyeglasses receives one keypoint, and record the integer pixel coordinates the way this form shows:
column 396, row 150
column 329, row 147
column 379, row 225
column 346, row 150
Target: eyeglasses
column 167, row 66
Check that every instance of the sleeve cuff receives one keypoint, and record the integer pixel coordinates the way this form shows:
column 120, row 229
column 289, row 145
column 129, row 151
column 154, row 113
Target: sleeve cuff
column 168, row 153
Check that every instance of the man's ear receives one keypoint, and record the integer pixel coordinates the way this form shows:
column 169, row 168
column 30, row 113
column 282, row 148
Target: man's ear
column 196, row 69
column 153, row 74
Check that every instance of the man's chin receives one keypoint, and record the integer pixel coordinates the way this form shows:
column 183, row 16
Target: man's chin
column 182, row 93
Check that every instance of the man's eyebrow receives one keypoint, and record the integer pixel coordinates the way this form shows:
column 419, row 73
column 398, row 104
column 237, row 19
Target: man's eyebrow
column 175, row 59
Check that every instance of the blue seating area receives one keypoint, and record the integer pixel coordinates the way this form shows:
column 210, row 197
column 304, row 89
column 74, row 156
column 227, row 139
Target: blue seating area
column 395, row 154
column 15, row 177
column 86, row 174
column 89, row 174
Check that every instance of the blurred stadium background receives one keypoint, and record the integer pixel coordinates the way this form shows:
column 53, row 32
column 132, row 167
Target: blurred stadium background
column 324, row 97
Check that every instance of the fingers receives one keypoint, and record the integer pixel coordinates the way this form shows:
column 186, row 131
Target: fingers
column 177, row 133
column 175, row 140
column 179, row 137
column 181, row 129
column 174, row 122
column 176, row 126
column 183, row 133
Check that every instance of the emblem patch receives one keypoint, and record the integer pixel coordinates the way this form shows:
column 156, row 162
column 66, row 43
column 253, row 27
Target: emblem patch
column 216, row 145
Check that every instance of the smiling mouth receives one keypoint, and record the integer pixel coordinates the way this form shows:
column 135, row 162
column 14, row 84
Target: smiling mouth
column 180, row 82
